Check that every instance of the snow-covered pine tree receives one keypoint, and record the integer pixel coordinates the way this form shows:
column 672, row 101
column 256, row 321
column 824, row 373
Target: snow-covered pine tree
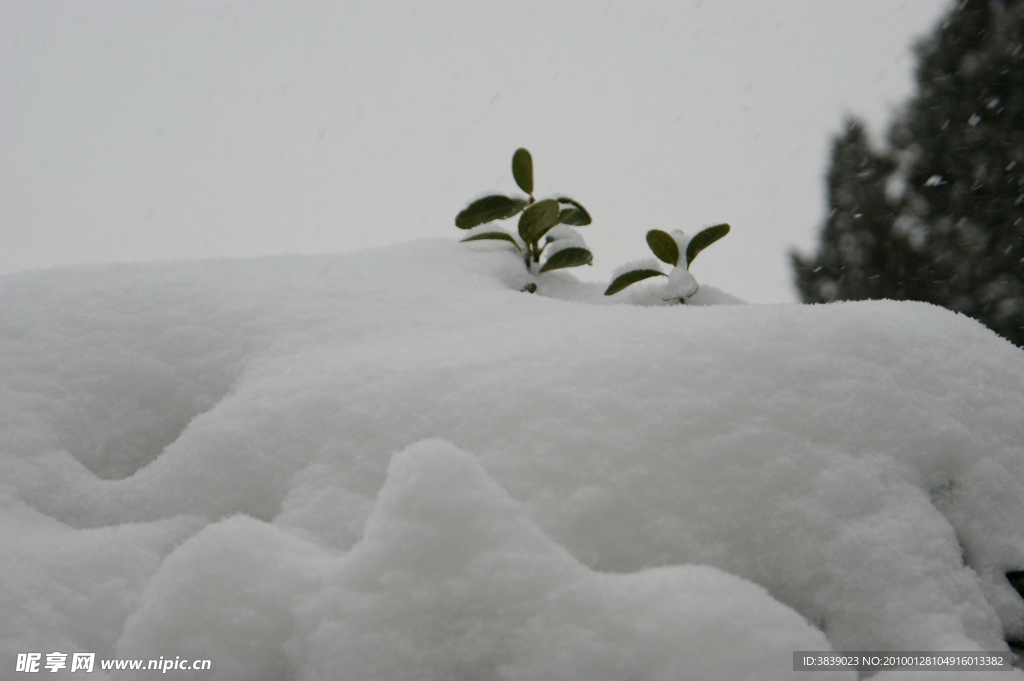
column 957, row 236
column 963, row 139
column 858, row 256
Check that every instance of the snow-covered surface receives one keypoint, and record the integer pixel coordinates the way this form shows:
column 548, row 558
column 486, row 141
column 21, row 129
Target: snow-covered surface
column 642, row 264
column 562, row 237
column 392, row 464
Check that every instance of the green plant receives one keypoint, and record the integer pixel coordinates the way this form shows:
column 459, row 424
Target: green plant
column 545, row 220
column 669, row 248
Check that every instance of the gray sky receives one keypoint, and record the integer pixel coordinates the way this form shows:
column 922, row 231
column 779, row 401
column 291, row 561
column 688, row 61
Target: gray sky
column 169, row 129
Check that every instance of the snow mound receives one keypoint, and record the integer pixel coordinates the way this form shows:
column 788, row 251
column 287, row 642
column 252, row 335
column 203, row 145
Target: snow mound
column 451, row 580
column 197, row 459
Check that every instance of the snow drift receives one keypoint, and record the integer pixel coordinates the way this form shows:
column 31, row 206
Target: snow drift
column 391, row 464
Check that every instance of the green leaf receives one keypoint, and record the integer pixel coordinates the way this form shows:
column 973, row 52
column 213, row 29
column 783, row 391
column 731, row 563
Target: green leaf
column 494, row 207
column 565, row 214
column 663, row 246
column 581, row 218
column 703, row 239
column 627, row 278
column 537, row 219
column 499, row 236
column 522, row 170
column 568, row 257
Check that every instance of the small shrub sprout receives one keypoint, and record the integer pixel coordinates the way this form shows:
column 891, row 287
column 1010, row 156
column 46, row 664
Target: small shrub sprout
column 543, row 225
column 675, row 249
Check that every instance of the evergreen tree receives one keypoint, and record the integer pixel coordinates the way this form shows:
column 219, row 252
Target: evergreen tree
column 963, row 136
column 955, row 236
column 858, row 258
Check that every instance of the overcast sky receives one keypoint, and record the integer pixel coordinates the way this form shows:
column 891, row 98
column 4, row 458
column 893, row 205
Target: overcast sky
column 159, row 129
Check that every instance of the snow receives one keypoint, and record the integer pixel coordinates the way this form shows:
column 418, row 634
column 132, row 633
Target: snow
column 642, row 264
column 681, row 283
column 563, row 237
column 392, row 464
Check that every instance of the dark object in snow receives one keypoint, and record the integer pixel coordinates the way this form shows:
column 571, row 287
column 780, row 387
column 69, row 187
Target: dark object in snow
column 669, row 248
column 1016, row 579
column 537, row 220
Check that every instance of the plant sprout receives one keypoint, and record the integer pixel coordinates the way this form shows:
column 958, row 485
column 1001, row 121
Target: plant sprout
column 537, row 222
column 670, row 248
